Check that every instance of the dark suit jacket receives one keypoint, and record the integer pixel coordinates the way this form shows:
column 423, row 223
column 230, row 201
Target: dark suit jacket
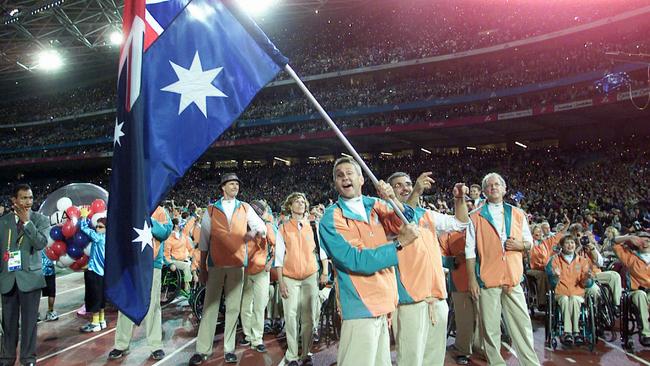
column 34, row 239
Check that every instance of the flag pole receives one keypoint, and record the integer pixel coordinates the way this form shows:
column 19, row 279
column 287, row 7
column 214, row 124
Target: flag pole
column 340, row 135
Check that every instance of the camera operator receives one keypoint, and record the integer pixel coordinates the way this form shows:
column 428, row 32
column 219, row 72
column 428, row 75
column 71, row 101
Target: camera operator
column 587, row 248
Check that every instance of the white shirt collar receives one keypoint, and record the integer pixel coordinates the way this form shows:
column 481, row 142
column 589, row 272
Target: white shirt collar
column 645, row 257
column 569, row 257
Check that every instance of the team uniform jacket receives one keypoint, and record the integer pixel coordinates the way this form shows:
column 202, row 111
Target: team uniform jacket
column 453, row 245
column 638, row 269
column 572, row 276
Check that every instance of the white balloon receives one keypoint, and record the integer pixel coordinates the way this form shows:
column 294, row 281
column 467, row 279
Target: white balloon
column 63, row 203
column 87, row 249
column 97, row 216
column 56, row 218
column 65, row 260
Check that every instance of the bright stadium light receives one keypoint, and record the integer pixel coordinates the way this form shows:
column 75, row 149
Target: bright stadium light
column 470, row 148
column 520, row 144
column 256, row 7
column 49, row 60
column 425, row 150
column 116, row 37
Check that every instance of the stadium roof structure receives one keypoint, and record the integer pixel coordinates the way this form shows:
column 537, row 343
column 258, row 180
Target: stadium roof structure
column 79, row 30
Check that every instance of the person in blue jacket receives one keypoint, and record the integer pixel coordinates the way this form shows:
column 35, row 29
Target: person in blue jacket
column 94, row 276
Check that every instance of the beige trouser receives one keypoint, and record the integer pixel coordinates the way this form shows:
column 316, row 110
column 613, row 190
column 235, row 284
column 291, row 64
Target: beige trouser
column 186, row 268
column 220, row 279
column 418, row 341
column 570, row 308
column 300, row 306
column 468, row 336
column 541, row 279
column 613, row 280
column 274, row 307
column 492, row 301
column 253, row 302
column 642, row 301
column 152, row 321
column 364, row 342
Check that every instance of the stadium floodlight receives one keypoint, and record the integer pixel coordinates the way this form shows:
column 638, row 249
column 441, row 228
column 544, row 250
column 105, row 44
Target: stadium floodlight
column 386, row 153
column 346, row 155
column 470, row 148
column 520, row 144
column 116, row 37
column 425, row 150
column 49, row 60
column 256, row 7
column 282, row 160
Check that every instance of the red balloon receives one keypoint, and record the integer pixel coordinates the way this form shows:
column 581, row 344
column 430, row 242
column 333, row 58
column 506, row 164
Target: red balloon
column 73, row 212
column 98, row 206
column 82, row 261
column 59, row 248
column 75, row 266
column 69, row 228
column 49, row 252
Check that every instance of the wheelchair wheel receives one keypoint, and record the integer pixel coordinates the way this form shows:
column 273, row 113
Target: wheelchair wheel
column 451, row 319
column 549, row 324
column 628, row 321
column 170, row 285
column 591, row 324
column 605, row 314
column 197, row 302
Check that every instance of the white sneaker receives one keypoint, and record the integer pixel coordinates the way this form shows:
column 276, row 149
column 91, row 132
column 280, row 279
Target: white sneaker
column 102, row 324
column 51, row 316
column 91, row 328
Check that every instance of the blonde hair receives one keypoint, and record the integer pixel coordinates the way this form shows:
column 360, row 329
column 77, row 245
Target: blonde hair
column 286, row 206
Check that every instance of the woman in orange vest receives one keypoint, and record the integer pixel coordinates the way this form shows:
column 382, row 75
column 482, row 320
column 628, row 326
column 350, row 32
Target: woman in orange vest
column 297, row 268
column 570, row 274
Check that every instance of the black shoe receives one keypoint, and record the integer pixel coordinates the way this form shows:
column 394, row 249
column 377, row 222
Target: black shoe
column 308, row 361
column 645, row 341
column 230, row 358
column 259, row 348
column 462, row 360
column 579, row 340
column 157, row 355
column 567, row 340
column 244, row 342
column 197, row 359
column 116, row 353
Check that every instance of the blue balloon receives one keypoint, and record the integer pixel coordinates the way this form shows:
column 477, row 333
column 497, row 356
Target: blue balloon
column 75, row 251
column 56, row 233
column 80, row 239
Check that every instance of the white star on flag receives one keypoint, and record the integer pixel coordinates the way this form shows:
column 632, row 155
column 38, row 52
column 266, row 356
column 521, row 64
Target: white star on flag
column 144, row 236
column 194, row 85
column 117, row 133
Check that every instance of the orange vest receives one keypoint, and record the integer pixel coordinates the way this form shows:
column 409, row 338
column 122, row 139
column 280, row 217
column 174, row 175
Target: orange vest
column 192, row 229
column 420, row 264
column 177, row 249
column 541, row 253
column 453, row 244
column 572, row 275
column 498, row 267
column 227, row 246
column 638, row 269
column 300, row 250
column 258, row 252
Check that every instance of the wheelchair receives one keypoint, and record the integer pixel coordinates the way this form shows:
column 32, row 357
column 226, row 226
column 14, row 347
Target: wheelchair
column 196, row 300
column 170, row 285
column 630, row 320
column 554, row 324
column 605, row 313
column 329, row 329
column 529, row 286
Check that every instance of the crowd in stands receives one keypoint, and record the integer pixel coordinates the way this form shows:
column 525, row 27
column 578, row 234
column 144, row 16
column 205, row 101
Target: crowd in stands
column 610, row 180
column 467, row 26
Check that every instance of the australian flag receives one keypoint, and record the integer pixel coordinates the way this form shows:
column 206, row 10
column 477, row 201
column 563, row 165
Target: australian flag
column 187, row 70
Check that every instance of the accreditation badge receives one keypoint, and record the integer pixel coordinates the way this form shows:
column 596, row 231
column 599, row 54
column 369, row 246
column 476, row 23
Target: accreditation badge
column 14, row 262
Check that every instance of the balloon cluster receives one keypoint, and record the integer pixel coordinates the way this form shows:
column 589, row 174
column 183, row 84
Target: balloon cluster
column 67, row 244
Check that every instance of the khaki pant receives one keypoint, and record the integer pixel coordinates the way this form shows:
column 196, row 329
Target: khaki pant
column 274, row 307
column 418, row 341
column 253, row 302
column 220, row 279
column 492, row 301
column 468, row 337
column 570, row 308
column 613, row 280
column 364, row 342
column 186, row 268
column 152, row 321
column 300, row 306
column 642, row 301
column 541, row 279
